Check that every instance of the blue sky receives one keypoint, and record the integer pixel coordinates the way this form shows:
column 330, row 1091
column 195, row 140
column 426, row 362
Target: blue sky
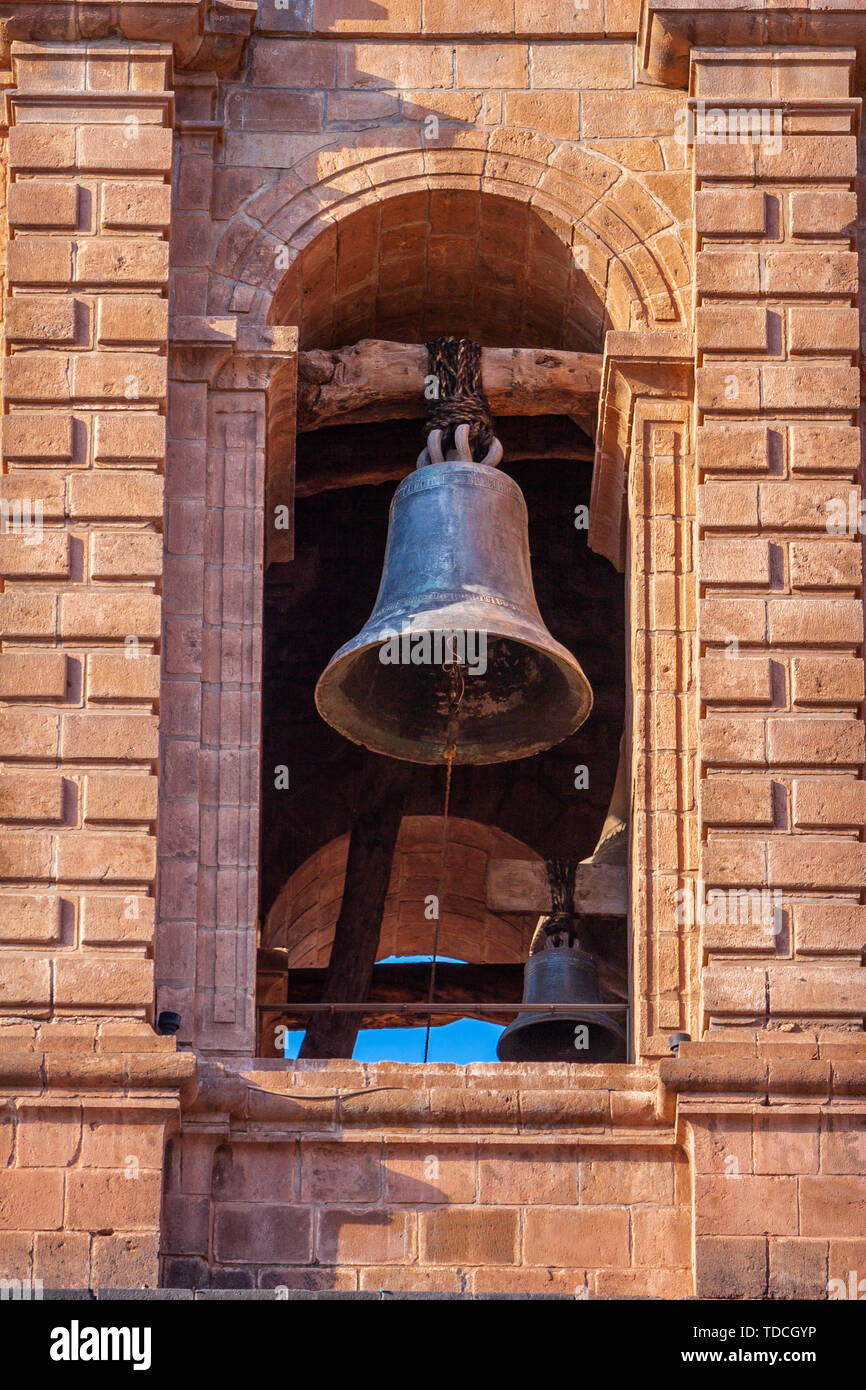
column 467, row 1040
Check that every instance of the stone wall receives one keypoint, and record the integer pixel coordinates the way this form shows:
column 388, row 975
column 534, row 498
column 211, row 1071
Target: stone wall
column 276, row 175
column 477, row 1179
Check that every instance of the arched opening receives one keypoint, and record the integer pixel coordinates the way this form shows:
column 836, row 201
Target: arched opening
column 405, row 270
column 438, row 261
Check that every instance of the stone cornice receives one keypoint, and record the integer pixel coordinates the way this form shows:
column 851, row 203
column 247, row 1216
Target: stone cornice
column 127, row 1076
column 669, row 29
column 790, row 1073
column 205, row 35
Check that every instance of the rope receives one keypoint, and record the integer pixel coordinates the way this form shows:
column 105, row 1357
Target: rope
column 456, row 365
column 561, row 921
column 456, row 692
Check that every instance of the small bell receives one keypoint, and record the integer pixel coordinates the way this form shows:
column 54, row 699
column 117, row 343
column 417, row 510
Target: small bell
column 558, row 971
column 560, row 975
column 456, row 570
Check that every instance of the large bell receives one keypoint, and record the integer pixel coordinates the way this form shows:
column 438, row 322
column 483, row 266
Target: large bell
column 456, row 562
column 560, row 974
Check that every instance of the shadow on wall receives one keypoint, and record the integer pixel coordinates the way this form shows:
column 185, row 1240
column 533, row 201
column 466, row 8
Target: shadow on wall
column 275, row 1217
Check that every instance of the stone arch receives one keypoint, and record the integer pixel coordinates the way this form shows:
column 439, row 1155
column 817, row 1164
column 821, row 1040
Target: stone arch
column 303, row 916
column 634, row 257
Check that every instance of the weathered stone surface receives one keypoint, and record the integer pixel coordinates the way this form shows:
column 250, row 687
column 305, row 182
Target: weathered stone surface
column 497, row 171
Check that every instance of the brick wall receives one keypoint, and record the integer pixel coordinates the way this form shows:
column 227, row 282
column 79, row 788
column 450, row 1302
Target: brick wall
column 341, row 175
column 479, row 1179
column 83, row 445
column 781, row 618
column 87, row 1088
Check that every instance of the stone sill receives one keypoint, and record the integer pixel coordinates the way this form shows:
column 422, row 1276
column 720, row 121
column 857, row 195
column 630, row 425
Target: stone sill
column 359, row 1100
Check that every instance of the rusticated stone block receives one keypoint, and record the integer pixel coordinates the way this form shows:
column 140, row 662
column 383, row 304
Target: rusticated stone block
column 116, row 982
column 30, row 1200
column 129, row 436
column 732, row 328
column 136, row 204
column 734, row 447
column 119, row 678
column 32, row 918
column 43, row 203
column 810, row 988
column 826, row 565
column 736, row 681
column 41, row 318
column 825, row 448
column 822, row 928
column 744, row 801
column 568, row 1237
column 813, row 621
column 728, row 212
column 33, row 676
column 37, row 146
column 822, row 212
column 732, row 506
column 349, row 1235
column 824, row 801
column 731, row 1267
column 132, row 318
column 106, row 148
column 820, row 331
column 108, row 920
column 29, row 435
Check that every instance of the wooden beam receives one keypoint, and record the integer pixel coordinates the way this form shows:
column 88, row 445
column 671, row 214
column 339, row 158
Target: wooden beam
column 466, row 986
column 385, row 451
column 409, row 983
column 375, row 380
column 521, row 885
column 381, row 796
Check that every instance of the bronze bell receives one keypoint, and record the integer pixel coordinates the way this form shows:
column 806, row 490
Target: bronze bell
column 560, row 974
column 456, row 569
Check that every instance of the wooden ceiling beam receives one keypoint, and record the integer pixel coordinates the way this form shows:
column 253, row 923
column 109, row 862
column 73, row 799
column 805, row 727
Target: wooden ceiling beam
column 376, row 380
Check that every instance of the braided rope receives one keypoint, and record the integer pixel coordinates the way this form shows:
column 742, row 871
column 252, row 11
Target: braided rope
column 560, row 924
column 456, row 364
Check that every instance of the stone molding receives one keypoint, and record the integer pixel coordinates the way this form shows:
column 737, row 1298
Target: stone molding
column 205, row 35
column 670, row 29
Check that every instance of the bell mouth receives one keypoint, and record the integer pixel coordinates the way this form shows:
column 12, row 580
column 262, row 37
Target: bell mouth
column 554, row 1038
column 518, row 699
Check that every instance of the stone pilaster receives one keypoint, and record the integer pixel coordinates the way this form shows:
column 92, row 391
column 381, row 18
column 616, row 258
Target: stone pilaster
column 782, row 796
column 224, row 379
column 86, row 329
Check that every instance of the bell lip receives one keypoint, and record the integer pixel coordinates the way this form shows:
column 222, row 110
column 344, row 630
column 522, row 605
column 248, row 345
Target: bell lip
column 532, row 1015
column 335, row 710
